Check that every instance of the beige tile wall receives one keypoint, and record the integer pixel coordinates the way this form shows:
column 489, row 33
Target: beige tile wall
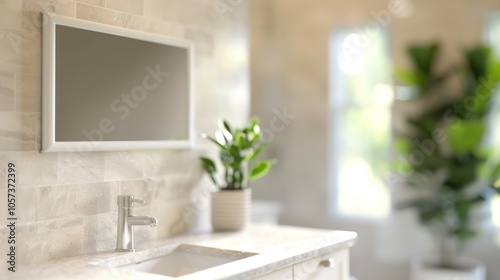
column 67, row 201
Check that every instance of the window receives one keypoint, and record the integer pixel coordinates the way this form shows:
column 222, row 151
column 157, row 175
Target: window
column 493, row 38
column 361, row 95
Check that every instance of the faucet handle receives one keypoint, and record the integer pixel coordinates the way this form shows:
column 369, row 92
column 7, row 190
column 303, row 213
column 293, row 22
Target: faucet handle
column 140, row 201
column 127, row 201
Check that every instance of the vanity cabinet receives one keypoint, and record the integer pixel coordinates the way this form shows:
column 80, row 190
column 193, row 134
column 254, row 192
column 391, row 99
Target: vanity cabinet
column 280, row 274
column 331, row 266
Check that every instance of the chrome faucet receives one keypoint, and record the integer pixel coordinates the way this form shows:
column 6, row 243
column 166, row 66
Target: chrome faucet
column 126, row 220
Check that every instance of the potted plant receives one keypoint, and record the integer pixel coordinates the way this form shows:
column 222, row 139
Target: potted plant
column 443, row 144
column 239, row 153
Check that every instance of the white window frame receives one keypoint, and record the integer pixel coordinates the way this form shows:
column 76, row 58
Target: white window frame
column 493, row 19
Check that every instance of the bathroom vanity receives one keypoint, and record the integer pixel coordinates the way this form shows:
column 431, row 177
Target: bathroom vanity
column 259, row 252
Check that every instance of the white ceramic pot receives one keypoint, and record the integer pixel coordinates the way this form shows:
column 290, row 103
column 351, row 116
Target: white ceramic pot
column 425, row 268
column 231, row 209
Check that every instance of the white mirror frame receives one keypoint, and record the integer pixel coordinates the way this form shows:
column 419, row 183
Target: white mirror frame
column 49, row 143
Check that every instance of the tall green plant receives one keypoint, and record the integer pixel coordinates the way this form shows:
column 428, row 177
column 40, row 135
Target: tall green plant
column 239, row 153
column 455, row 127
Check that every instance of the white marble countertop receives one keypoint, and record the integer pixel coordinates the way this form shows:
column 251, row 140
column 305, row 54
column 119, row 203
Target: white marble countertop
column 275, row 247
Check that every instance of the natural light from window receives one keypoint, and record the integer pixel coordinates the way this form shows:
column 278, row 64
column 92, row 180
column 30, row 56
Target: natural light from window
column 361, row 96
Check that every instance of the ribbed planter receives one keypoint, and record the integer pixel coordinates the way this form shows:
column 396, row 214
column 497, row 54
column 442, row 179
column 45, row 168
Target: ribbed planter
column 425, row 268
column 231, row 209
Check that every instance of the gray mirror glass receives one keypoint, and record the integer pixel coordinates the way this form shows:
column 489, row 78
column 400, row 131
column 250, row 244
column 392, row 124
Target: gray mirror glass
column 131, row 92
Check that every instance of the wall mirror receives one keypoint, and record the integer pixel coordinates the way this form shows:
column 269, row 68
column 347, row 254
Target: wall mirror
column 108, row 88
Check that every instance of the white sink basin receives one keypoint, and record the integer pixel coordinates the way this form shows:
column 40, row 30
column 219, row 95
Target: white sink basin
column 178, row 260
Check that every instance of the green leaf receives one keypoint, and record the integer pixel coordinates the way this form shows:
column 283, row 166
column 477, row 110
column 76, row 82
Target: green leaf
column 209, row 167
column 432, row 162
column 478, row 60
column 226, row 126
column 463, row 171
column 255, row 136
column 226, row 158
column 425, row 125
column 235, row 153
column 402, row 145
column 493, row 176
column 484, row 88
column 423, row 57
column 261, row 169
column 240, row 139
column 427, row 217
column 407, row 77
column 226, row 130
column 429, row 208
column 465, row 234
column 221, row 138
column 482, row 107
column 465, row 135
column 462, row 209
column 496, row 174
column 222, row 147
column 256, row 130
column 254, row 122
column 494, row 71
column 496, row 185
column 253, row 155
column 419, row 203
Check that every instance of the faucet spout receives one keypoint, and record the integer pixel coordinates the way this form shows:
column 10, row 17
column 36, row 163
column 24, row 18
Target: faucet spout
column 127, row 220
column 142, row 221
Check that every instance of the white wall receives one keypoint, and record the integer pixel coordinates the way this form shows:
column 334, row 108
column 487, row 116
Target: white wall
column 289, row 64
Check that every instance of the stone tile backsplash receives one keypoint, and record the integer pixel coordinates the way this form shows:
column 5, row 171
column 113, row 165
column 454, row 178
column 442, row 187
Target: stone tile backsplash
column 28, row 91
column 131, row 7
column 67, row 201
column 17, row 131
column 7, row 91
